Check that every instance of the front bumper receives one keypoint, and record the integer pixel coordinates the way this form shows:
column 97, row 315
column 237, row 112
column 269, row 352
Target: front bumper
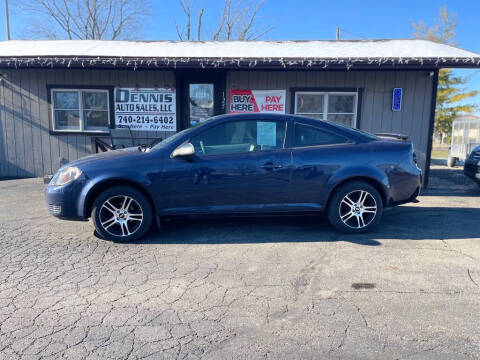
column 63, row 201
column 472, row 169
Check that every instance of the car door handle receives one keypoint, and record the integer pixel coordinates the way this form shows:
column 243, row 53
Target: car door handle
column 271, row 166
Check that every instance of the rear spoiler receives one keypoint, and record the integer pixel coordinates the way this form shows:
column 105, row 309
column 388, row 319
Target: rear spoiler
column 389, row 136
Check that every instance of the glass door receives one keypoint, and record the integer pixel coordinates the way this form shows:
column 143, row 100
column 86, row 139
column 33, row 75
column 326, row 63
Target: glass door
column 201, row 100
column 202, row 95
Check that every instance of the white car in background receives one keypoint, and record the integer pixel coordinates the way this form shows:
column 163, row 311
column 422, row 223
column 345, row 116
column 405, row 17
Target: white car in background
column 465, row 137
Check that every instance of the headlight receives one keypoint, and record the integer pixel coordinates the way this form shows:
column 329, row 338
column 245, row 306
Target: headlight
column 64, row 176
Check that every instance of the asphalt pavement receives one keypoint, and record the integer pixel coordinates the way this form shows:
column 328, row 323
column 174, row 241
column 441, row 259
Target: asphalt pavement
column 280, row 288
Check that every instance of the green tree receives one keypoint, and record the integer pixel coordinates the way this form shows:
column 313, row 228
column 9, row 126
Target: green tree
column 451, row 94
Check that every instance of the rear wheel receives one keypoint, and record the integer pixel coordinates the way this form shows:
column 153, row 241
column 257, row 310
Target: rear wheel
column 122, row 213
column 355, row 207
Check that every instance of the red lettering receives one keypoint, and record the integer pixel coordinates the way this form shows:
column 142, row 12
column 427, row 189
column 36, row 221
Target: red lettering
column 272, row 107
column 273, row 99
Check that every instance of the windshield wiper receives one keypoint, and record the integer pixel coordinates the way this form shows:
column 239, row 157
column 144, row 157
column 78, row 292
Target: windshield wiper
column 146, row 148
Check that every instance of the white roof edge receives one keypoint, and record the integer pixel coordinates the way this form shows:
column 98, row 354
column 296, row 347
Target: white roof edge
column 289, row 49
column 466, row 117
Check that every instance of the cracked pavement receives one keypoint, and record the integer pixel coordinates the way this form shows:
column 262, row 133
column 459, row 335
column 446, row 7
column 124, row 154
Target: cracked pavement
column 280, row 288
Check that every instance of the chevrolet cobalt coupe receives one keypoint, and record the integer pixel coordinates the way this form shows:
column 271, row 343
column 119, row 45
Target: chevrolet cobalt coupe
column 245, row 164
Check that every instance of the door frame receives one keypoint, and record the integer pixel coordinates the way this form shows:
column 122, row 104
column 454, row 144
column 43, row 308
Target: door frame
column 185, row 77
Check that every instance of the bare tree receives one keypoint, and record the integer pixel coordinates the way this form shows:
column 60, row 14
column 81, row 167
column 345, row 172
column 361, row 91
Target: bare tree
column 84, row 19
column 443, row 30
column 239, row 21
column 185, row 34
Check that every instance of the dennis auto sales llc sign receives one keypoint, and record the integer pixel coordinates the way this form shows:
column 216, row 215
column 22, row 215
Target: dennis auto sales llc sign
column 145, row 109
column 263, row 101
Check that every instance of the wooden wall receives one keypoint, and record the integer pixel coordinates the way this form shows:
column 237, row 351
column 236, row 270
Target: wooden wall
column 26, row 146
column 28, row 149
column 376, row 109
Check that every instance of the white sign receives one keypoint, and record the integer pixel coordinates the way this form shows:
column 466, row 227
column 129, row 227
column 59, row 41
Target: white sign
column 267, row 133
column 145, row 109
column 263, row 101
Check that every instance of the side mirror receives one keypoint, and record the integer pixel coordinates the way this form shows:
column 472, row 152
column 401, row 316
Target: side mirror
column 183, row 150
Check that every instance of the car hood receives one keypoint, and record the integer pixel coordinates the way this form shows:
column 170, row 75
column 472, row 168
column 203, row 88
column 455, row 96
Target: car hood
column 109, row 156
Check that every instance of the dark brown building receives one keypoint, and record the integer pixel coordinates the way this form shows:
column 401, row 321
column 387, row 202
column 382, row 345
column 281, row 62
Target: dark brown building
column 57, row 97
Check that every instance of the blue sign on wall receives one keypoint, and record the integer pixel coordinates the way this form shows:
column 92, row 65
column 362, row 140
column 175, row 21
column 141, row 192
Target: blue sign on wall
column 397, row 99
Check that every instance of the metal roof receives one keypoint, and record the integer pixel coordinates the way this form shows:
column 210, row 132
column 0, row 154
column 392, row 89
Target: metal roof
column 345, row 54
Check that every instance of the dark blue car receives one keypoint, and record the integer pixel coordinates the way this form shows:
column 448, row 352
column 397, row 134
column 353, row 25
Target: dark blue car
column 240, row 165
column 472, row 165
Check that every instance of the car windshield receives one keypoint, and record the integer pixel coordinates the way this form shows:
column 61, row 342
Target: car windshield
column 174, row 137
column 171, row 139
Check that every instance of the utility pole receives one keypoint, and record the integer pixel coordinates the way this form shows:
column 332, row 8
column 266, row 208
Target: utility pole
column 338, row 33
column 8, row 19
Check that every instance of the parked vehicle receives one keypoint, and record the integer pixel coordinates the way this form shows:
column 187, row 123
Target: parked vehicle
column 465, row 137
column 472, row 165
column 247, row 164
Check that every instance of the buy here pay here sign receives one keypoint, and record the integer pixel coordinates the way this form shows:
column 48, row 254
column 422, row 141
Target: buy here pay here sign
column 262, row 101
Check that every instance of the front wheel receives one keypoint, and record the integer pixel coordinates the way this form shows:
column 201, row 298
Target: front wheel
column 355, row 207
column 122, row 213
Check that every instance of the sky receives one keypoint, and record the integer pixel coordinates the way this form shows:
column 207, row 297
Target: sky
column 311, row 19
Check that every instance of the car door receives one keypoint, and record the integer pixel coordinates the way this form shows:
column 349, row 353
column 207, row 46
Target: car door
column 239, row 165
column 317, row 154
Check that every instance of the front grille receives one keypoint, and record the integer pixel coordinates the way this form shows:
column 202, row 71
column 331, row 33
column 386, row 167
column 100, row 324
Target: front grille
column 54, row 209
column 476, row 155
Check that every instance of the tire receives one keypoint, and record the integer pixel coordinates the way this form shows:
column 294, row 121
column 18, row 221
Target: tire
column 358, row 217
column 122, row 214
column 451, row 161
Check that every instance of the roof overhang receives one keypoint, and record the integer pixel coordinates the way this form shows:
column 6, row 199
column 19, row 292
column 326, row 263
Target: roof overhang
column 239, row 63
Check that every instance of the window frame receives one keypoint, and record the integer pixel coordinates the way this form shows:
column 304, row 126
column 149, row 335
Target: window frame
column 357, row 92
column 80, row 89
column 284, row 145
column 294, row 127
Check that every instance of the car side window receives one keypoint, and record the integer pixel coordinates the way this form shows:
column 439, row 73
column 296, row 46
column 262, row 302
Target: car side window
column 240, row 136
column 306, row 135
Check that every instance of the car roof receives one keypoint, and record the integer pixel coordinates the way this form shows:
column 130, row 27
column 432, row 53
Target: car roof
column 351, row 133
column 250, row 115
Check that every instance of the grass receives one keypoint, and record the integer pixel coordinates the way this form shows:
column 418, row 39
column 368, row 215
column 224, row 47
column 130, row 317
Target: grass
column 440, row 154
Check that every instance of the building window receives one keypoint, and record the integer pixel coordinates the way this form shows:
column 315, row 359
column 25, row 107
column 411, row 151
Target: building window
column 82, row 110
column 339, row 107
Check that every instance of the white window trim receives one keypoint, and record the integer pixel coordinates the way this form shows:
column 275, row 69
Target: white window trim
column 81, row 110
column 325, row 112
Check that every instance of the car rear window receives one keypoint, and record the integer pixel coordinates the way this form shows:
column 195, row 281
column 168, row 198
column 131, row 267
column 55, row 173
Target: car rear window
column 306, row 135
column 364, row 134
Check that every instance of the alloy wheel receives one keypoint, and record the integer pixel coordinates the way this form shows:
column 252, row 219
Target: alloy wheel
column 358, row 209
column 121, row 215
